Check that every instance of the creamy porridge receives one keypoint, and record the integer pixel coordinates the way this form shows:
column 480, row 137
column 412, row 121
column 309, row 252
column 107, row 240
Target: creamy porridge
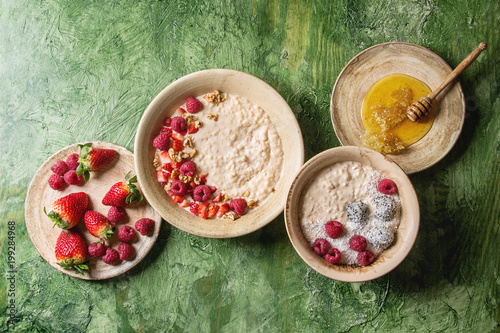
column 234, row 145
column 348, row 193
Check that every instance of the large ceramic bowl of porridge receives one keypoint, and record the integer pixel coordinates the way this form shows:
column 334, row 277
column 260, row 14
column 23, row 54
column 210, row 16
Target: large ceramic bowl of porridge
column 240, row 142
column 352, row 214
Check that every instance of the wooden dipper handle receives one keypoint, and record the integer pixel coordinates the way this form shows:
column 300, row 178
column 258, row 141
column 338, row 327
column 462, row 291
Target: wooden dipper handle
column 457, row 71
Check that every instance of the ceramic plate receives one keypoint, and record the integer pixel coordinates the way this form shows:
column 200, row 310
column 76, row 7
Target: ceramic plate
column 40, row 195
column 391, row 58
column 405, row 235
column 196, row 84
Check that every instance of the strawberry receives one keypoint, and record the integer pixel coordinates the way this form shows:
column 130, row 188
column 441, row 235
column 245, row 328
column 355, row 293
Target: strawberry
column 123, row 193
column 213, row 211
column 71, row 251
column 67, row 211
column 192, row 128
column 162, row 176
column 92, row 159
column 177, row 145
column 224, row 208
column 97, row 224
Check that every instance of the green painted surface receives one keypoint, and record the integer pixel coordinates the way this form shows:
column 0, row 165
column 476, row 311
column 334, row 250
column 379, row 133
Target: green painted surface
column 73, row 71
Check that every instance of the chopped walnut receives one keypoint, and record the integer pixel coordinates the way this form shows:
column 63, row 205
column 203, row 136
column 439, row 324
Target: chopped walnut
column 192, row 153
column 185, row 179
column 188, row 141
column 253, row 203
column 168, row 186
column 156, row 162
column 189, row 118
column 184, row 155
column 213, row 116
column 197, row 180
column 246, row 194
column 198, row 123
column 175, row 173
column 232, row 216
column 225, row 198
column 215, row 97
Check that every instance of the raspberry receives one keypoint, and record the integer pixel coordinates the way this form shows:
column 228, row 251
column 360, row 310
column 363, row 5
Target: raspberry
column 177, row 145
column 72, row 178
column 161, row 142
column 72, row 161
column 178, row 188
column 176, row 165
column 96, row 250
column 125, row 251
column 178, row 124
column 188, row 168
column 111, row 257
column 321, row 246
column 387, row 186
column 116, row 214
column 357, row 243
column 333, row 256
column 59, row 168
column 144, row 226
column 126, row 234
column 357, row 212
column 365, row 258
column 167, row 131
column 56, row 182
column 238, row 205
column 193, row 105
column 201, row 193
column 168, row 122
column 334, row 229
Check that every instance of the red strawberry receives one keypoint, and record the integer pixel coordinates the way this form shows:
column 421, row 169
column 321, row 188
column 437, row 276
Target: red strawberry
column 92, row 159
column 97, row 224
column 193, row 105
column 68, row 210
column 192, row 128
column 224, row 208
column 213, row 211
column 71, row 251
column 177, row 145
column 123, row 193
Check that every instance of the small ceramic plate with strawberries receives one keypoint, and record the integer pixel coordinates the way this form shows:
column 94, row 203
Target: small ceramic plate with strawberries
column 41, row 195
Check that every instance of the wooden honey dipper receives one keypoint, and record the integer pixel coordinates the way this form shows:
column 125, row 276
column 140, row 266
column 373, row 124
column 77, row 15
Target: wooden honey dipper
column 423, row 105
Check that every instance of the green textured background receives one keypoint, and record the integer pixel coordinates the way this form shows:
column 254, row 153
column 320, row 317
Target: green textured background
column 73, row 71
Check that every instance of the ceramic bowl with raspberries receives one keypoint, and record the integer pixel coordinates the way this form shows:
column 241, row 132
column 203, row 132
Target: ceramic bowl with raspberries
column 352, row 214
column 214, row 152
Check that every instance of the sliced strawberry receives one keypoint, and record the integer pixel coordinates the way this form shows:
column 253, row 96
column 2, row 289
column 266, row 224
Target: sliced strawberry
column 167, row 167
column 218, row 197
column 177, row 165
column 181, row 110
column 168, row 122
column 212, row 188
column 177, row 145
column 162, row 176
column 178, row 136
column 212, row 212
column 165, row 157
column 224, row 208
column 184, row 204
column 203, row 179
column 192, row 128
column 193, row 207
column 178, row 198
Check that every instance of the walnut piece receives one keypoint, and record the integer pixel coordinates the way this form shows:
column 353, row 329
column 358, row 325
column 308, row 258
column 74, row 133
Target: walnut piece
column 215, row 97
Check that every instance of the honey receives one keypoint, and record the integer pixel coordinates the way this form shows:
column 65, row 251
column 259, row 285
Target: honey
column 383, row 114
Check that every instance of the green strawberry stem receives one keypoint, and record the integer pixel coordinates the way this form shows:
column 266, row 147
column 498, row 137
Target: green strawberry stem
column 135, row 195
column 72, row 264
column 108, row 233
column 54, row 217
column 82, row 168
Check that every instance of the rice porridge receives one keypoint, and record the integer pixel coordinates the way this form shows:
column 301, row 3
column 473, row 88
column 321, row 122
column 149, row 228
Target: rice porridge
column 364, row 205
column 236, row 151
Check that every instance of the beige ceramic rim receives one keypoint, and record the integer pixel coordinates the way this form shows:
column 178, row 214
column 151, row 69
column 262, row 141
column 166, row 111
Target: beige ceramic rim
column 202, row 82
column 40, row 195
column 405, row 236
column 381, row 60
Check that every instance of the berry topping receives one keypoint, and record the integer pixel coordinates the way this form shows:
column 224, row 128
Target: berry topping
column 385, row 208
column 72, row 178
column 177, row 145
column 97, row 249
column 188, row 168
column 333, row 256
column 238, row 205
column 357, row 212
column 201, row 193
column 193, row 105
column 126, row 234
column 111, row 257
column 321, row 246
column 193, row 207
column 380, row 236
column 59, row 168
column 357, row 243
column 56, row 182
column 334, row 229
column 365, row 258
column 144, row 226
column 168, row 122
column 167, row 131
column 116, row 214
column 125, row 251
column 178, row 124
column 178, row 188
column 162, row 141
column 72, row 161
column 387, row 186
